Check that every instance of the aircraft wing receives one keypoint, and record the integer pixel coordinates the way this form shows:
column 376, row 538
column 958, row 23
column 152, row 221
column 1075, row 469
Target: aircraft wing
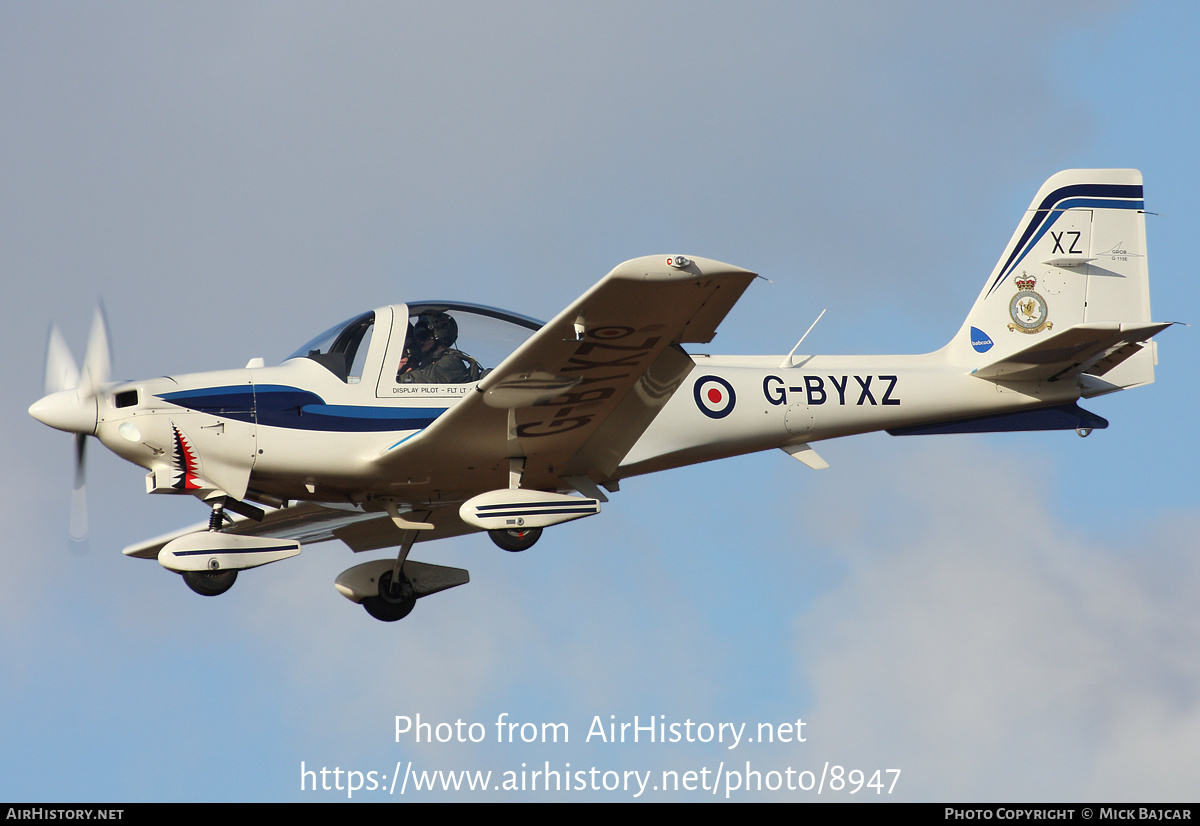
column 309, row 522
column 576, row 396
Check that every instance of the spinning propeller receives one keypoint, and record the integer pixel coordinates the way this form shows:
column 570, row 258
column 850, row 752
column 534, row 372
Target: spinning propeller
column 70, row 403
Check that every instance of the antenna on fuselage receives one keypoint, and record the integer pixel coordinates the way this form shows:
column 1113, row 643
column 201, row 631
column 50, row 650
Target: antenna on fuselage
column 787, row 360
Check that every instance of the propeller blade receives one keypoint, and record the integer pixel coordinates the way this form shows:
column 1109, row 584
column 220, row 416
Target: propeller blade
column 78, row 525
column 97, row 360
column 61, row 371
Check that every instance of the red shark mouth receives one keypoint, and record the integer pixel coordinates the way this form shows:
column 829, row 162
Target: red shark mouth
column 187, row 464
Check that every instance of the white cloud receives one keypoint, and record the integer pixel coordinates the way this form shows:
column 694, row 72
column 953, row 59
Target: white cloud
column 991, row 648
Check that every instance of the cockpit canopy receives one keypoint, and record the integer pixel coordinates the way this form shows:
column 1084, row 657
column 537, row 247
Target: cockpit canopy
column 481, row 336
column 342, row 349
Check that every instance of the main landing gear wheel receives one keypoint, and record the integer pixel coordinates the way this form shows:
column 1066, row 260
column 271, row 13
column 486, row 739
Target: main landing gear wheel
column 210, row 583
column 391, row 605
column 516, row 540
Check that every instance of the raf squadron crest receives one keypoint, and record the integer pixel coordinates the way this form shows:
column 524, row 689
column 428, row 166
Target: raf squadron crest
column 1027, row 308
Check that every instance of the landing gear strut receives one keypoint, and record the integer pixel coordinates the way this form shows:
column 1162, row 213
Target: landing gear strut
column 214, row 582
column 516, row 540
column 396, row 593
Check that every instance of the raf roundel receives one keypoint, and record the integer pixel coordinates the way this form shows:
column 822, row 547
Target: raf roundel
column 714, row 396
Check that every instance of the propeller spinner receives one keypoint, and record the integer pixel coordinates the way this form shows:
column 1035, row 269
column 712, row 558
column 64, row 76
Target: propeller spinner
column 70, row 403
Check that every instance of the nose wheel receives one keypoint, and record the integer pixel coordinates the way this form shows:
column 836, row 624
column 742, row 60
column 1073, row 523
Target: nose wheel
column 395, row 600
column 210, row 583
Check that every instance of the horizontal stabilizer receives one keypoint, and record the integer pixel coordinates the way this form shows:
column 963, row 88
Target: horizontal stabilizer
column 1063, row 417
column 1093, row 348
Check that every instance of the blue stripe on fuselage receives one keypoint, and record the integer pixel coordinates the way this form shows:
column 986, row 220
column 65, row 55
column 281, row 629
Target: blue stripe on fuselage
column 276, row 405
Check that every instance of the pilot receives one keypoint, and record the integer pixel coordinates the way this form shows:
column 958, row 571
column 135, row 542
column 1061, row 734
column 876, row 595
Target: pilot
column 430, row 357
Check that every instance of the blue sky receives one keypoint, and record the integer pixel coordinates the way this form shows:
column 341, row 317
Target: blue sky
column 1000, row 617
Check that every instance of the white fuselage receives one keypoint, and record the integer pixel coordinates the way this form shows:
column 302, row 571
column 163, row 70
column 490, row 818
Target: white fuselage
column 295, row 431
column 821, row 397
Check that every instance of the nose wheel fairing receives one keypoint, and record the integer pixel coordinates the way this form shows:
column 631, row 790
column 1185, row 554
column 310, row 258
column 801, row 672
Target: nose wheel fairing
column 370, row 585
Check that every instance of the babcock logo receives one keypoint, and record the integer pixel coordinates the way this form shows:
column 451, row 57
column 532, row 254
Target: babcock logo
column 980, row 340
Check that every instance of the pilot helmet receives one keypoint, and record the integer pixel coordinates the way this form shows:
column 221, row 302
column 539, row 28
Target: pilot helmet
column 437, row 325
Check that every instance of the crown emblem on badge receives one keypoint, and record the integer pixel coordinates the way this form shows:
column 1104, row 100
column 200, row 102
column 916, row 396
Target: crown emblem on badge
column 1026, row 282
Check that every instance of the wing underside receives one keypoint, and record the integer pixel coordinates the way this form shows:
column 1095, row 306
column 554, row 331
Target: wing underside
column 310, row 522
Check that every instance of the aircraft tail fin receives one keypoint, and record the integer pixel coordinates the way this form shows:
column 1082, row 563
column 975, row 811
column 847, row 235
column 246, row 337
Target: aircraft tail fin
column 1076, row 259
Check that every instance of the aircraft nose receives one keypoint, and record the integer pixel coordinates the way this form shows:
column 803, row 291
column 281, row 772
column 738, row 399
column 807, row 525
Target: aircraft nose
column 65, row 410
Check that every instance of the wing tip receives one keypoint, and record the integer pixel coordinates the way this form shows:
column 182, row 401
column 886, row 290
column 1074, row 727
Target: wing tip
column 675, row 267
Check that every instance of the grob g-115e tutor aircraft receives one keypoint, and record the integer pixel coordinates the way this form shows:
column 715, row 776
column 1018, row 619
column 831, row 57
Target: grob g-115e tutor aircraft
column 427, row 420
